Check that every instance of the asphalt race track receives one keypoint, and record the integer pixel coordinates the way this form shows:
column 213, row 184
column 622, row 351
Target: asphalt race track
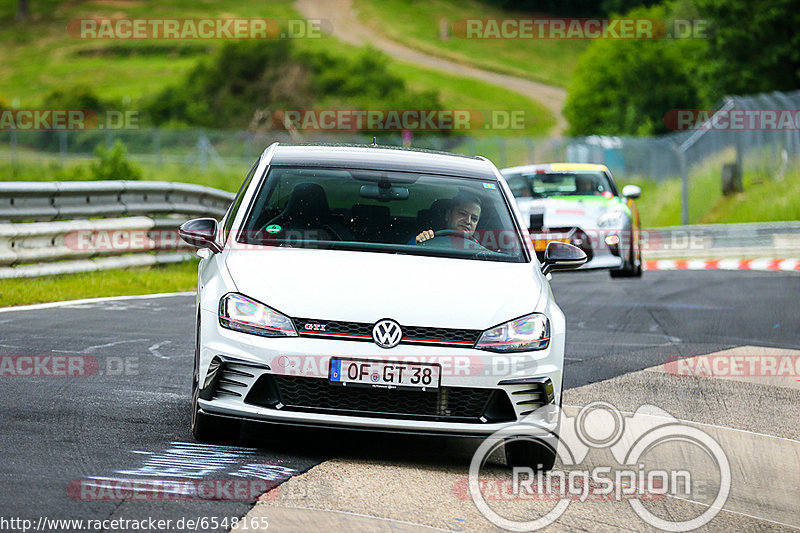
column 124, row 415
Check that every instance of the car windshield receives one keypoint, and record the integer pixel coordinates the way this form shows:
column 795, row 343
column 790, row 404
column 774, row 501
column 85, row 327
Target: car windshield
column 541, row 184
column 381, row 211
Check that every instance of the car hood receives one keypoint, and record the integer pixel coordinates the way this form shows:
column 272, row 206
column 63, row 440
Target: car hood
column 562, row 211
column 368, row 286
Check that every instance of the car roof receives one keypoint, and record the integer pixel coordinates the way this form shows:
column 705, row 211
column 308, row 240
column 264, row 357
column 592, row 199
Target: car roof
column 359, row 156
column 558, row 167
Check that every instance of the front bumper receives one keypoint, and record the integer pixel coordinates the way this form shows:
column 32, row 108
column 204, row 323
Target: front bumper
column 284, row 380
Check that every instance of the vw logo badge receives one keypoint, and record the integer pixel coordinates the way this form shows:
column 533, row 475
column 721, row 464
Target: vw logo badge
column 387, row 333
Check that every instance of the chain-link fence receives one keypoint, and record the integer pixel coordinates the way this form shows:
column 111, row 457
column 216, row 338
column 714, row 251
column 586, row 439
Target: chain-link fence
column 760, row 132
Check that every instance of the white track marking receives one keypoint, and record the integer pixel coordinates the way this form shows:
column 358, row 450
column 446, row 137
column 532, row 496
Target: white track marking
column 67, row 303
column 92, row 349
column 154, row 349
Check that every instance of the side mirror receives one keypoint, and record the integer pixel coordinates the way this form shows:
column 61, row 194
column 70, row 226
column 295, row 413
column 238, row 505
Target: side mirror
column 201, row 233
column 631, row 191
column 562, row 256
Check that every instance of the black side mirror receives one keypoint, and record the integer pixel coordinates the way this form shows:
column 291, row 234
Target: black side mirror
column 201, row 233
column 562, row 256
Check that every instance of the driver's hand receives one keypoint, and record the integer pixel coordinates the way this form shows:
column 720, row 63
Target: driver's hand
column 425, row 235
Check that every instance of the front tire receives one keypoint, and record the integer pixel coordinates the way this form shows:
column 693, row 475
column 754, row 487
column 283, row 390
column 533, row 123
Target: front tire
column 631, row 268
column 206, row 428
column 532, row 453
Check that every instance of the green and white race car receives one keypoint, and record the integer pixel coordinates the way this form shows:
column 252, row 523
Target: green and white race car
column 580, row 203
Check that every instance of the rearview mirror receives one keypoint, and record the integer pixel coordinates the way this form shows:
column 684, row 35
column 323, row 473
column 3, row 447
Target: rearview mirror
column 561, row 256
column 201, row 233
column 384, row 192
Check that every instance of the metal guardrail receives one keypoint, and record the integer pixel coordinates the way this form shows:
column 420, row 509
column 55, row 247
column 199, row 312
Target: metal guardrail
column 41, row 201
column 724, row 241
column 30, row 247
column 59, row 228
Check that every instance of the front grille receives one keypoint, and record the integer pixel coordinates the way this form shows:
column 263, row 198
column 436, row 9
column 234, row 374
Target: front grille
column 362, row 331
column 447, row 404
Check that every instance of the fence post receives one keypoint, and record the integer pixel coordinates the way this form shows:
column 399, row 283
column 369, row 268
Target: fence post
column 13, row 147
column 684, row 188
column 531, row 150
column 501, row 151
column 684, row 171
column 62, row 146
column 157, row 146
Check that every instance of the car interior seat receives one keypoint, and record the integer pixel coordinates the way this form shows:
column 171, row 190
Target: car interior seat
column 308, row 210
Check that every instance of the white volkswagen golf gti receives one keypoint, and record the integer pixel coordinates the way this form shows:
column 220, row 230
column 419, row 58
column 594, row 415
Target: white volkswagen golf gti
column 375, row 288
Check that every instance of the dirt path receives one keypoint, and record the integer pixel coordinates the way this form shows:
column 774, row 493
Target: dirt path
column 347, row 27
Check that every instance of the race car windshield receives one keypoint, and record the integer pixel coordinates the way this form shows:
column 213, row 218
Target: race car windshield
column 380, row 211
column 549, row 184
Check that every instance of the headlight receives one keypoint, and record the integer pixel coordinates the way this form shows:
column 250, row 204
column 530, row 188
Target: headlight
column 240, row 313
column 530, row 332
column 613, row 219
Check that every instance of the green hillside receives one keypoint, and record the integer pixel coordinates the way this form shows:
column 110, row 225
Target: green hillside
column 418, row 25
column 38, row 56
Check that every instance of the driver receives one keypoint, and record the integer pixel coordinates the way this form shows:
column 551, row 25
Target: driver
column 585, row 186
column 463, row 215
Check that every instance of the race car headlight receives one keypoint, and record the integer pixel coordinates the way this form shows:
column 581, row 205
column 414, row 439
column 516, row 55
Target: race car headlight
column 530, row 332
column 611, row 219
column 240, row 313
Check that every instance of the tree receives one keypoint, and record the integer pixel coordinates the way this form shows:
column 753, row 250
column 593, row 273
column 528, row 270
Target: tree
column 753, row 47
column 625, row 86
column 23, row 11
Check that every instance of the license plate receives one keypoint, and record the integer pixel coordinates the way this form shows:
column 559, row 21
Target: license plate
column 384, row 374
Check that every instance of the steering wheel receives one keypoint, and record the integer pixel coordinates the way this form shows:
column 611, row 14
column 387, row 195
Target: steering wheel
column 453, row 232
column 444, row 233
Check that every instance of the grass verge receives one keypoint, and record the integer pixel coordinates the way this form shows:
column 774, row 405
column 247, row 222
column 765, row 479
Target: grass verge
column 161, row 278
column 764, row 199
column 418, row 25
